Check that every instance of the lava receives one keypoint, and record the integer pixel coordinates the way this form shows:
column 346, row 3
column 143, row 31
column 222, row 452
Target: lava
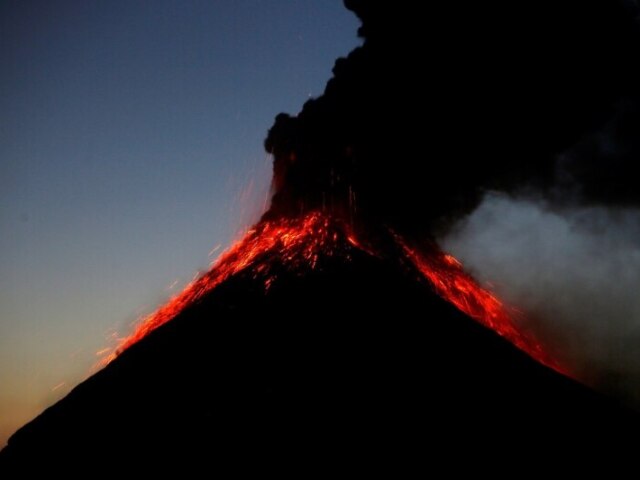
column 300, row 244
column 449, row 280
column 293, row 243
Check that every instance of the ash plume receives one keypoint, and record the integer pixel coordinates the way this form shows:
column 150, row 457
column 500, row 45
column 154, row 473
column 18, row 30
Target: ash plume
column 439, row 106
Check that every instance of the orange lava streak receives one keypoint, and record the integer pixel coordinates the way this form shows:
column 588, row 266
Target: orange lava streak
column 298, row 244
column 452, row 283
column 295, row 243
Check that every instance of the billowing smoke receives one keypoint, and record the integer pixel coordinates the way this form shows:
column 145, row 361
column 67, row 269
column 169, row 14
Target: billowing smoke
column 445, row 101
column 575, row 274
column 570, row 259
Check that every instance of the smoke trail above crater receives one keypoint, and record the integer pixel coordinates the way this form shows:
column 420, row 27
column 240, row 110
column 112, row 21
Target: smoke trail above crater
column 443, row 102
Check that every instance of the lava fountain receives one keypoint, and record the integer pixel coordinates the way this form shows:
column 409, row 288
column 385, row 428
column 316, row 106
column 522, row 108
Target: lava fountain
column 298, row 244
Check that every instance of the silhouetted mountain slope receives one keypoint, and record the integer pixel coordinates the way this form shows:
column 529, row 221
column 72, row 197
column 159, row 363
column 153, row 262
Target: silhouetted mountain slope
column 318, row 352
column 355, row 360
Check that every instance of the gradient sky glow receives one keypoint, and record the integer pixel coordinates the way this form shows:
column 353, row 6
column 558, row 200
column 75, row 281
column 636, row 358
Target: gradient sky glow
column 131, row 145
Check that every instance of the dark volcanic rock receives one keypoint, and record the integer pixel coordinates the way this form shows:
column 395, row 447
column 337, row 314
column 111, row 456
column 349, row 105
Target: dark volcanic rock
column 355, row 361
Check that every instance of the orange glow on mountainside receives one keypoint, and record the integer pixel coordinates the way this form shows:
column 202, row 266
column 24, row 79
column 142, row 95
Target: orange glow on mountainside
column 298, row 245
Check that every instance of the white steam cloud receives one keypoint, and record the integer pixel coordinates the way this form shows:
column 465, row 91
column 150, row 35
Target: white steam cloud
column 574, row 273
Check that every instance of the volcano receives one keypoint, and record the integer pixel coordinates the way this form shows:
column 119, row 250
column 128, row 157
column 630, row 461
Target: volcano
column 316, row 348
column 336, row 330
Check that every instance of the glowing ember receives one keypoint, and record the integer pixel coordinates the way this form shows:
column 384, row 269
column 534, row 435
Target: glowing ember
column 293, row 243
column 299, row 244
column 450, row 281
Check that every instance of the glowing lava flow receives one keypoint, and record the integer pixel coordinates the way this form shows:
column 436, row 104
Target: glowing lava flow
column 452, row 283
column 299, row 244
column 295, row 243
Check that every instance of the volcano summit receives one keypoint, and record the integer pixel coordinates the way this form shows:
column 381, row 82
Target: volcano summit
column 303, row 344
column 336, row 329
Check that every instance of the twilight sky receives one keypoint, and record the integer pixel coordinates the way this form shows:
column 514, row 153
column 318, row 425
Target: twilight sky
column 130, row 147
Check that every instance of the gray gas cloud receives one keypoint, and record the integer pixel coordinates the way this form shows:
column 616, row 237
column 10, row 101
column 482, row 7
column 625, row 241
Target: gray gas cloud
column 573, row 271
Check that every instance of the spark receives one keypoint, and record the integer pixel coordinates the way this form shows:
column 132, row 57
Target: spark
column 295, row 243
column 451, row 282
column 300, row 244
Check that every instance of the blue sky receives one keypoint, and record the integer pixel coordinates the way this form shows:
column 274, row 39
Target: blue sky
column 130, row 146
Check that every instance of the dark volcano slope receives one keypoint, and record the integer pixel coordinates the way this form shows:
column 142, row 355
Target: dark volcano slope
column 354, row 358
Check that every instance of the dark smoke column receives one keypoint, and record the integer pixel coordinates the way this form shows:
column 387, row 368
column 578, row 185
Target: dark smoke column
column 446, row 100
